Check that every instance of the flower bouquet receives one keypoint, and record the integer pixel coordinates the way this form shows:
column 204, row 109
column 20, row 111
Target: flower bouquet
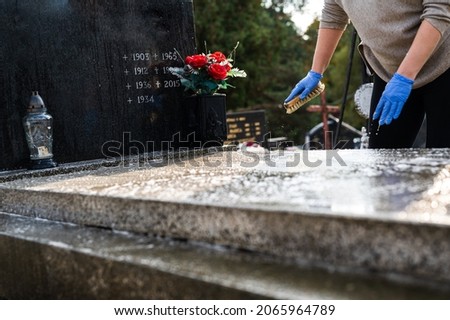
column 205, row 74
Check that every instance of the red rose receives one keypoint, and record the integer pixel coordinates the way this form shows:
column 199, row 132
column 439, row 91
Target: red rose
column 227, row 65
column 196, row 61
column 217, row 56
column 217, row 71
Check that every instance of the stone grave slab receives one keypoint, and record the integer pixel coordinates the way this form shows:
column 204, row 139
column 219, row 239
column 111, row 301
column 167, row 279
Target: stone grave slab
column 382, row 211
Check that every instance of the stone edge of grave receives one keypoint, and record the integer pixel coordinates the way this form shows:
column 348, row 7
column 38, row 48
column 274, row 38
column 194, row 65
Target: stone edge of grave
column 414, row 249
column 66, row 168
column 50, row 265
column 52, row 260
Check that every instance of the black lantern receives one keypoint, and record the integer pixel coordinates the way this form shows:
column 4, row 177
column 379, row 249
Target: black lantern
column 38, row 125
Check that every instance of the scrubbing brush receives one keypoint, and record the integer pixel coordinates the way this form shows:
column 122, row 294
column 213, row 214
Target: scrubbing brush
column 296, row 103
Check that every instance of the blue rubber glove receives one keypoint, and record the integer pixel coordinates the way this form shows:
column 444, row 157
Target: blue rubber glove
column 305, row 86
column 393, row 99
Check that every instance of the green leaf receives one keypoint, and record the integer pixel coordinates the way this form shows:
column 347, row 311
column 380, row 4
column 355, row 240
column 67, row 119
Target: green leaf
column 236, row 73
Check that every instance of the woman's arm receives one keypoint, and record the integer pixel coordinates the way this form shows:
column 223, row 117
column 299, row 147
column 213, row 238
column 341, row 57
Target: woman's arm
column 423, row 46
column 399, row 87
column 327, row 42
column 325, row 46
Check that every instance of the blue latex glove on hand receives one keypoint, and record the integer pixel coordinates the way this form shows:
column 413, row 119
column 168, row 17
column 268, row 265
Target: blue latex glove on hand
column 393, row 99
column 305, row 86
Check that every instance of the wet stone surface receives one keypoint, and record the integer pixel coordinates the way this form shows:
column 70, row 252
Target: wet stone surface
column 364, row 210
column 403, row 184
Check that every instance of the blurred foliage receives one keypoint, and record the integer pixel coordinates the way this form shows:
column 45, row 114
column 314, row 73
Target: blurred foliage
column 282, row 5
column 275, row 57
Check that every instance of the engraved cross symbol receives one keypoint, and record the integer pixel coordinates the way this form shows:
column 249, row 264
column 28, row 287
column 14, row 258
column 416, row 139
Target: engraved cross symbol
column 128, row 86
column 125, row 57
column 156, row 70
column 129, row 101
column 155, row 56
column 158, row 84
column 126, row 72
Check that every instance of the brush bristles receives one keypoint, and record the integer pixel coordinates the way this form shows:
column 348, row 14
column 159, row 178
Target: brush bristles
column 296, row 103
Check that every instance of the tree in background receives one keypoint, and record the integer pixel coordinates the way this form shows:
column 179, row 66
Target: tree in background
column 281, row 5
column 268, row 49
column 273, row 54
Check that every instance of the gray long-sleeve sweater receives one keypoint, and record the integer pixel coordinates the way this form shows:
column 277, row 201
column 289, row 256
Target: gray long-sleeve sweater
column 387, row 30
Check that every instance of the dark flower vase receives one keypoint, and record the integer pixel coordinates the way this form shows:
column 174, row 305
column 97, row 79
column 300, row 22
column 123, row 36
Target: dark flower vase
column 206, row 120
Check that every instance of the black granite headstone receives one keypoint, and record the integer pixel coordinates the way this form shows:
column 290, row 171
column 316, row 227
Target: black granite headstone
column 101, row 68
